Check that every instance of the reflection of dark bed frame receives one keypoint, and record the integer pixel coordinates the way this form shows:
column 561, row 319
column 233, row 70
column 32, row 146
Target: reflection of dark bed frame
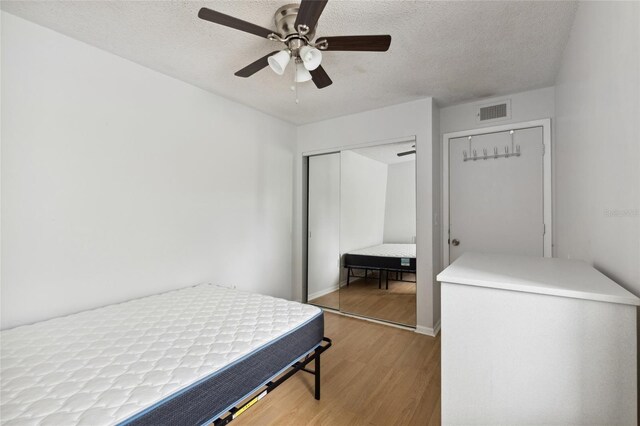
column 294, row 368
column 380, row 264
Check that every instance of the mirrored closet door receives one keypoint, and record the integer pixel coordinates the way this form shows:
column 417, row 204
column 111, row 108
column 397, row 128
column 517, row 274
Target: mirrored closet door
column 376, row 232
column 323, row 223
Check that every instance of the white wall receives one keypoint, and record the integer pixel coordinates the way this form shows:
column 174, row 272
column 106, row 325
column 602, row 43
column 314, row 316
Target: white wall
column 597, row 157
column 363, row 188
column 400, row 204
column 119, row 182
column 380, row 125
column 525, row 106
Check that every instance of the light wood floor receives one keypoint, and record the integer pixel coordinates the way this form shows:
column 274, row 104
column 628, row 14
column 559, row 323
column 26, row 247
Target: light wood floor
column 372, row 375
column 362, row 297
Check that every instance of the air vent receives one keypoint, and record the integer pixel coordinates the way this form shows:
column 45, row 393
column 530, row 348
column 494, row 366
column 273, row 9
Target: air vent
column 494, row 111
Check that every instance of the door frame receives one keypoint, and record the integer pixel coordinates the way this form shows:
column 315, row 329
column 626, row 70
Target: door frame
column 546, row 188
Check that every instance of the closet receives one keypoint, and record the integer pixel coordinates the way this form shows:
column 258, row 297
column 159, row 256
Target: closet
column 361, row 231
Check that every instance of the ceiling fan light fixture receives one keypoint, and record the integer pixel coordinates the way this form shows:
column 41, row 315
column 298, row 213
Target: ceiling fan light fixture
column 311, row 57
column 279, row 61
column 302, row 74
column 296, row 29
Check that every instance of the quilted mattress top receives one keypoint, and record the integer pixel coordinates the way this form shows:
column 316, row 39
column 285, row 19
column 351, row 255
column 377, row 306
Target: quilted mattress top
column 105, row 365
column 388, row 250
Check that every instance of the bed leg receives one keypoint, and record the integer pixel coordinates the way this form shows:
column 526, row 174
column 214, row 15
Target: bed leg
column 348, row 275
column 317, row 375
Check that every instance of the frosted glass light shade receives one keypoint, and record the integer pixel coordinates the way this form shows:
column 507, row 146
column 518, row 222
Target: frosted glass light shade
column 278, row 62
column 302, row 74
column 311, row 57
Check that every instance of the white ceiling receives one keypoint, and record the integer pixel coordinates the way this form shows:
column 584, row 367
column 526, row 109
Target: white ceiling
column 453, row 51
column 388, row 153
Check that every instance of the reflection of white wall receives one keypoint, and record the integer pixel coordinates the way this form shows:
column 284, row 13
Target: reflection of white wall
column 400, row 209
column 363, row 186
column 324, row 224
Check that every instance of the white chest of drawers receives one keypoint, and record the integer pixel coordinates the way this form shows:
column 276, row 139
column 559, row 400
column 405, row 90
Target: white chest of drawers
column 536, row 341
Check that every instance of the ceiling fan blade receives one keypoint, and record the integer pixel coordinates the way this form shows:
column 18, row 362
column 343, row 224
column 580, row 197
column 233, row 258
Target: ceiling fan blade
column 309, row 13
column 363, row 43
column 402, row 154
column 231, row 22
column 254, row 67
column 320, row 78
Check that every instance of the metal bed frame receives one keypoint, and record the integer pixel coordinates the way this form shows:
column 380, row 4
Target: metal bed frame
column 366, row 269
column 236, row 411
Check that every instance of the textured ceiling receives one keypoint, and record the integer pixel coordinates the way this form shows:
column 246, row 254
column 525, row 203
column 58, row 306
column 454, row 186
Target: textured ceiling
column 453, row 51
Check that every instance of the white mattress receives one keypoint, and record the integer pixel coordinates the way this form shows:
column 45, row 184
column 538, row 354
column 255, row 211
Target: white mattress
column 388, row 250
column 103, row 366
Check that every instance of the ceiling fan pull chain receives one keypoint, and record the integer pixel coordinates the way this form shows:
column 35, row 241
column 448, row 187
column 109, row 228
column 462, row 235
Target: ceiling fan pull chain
column 295, row 83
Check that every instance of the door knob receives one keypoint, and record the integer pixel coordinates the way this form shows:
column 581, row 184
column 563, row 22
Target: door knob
column 455, row 242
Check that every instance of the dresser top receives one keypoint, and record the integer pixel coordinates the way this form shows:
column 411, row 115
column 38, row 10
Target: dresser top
column 551, row 276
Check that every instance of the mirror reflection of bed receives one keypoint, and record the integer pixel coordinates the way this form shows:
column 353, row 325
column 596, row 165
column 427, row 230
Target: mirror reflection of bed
column 362, row 226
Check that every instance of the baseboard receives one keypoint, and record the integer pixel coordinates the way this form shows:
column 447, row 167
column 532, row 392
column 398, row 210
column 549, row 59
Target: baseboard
column 322, row 292
column 436, row 329
column 428, row 331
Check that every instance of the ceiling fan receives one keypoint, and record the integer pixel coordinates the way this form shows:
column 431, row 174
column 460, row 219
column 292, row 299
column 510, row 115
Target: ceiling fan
column 296, row 27
column 413, row 151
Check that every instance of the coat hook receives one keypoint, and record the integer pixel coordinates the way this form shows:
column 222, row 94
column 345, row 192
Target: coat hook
column 513, row 151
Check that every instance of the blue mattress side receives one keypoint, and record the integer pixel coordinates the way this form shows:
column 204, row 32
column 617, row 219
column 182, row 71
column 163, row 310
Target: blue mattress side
column 261, row 385
column 181, row 391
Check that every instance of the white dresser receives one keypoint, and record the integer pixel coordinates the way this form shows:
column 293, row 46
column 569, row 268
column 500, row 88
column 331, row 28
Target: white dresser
column 528, row 340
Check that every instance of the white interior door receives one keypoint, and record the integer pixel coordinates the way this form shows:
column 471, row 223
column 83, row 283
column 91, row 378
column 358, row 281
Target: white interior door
column 324, row 225
column 496, row 204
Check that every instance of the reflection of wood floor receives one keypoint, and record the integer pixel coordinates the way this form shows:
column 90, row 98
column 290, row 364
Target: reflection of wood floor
column 372, row 375
column 398, row 304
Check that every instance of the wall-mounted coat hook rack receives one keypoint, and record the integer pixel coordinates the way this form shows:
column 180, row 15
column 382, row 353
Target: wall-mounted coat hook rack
column 513, row 151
